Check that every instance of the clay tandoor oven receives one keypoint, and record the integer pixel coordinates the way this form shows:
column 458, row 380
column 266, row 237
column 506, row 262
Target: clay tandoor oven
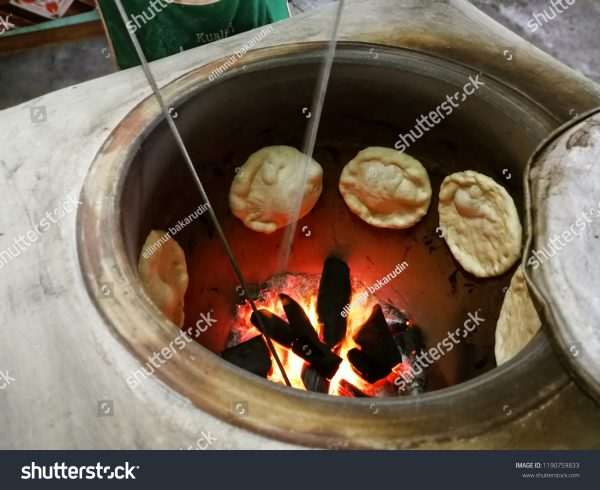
column 139, row 182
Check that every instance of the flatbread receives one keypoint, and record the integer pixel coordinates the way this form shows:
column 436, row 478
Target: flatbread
column 264, row 190
column 386, row 188
column 518, row 321
column 480, row 223
column 163, row 271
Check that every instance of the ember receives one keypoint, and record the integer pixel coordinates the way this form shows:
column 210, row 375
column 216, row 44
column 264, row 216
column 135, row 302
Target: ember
column 357, row 355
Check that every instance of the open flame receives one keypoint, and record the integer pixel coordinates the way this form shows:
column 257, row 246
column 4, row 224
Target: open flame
column 293, row 364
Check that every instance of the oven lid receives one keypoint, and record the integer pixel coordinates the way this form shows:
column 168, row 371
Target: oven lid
column 561, row 259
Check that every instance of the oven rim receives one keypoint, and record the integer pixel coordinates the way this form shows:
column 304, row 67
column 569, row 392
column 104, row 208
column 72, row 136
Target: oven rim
column 294, row 416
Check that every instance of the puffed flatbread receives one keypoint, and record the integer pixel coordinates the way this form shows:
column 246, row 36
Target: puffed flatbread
column 518, row 321
column 263, row 192
column 480, row 223
column 386, row 188
column 163, row 271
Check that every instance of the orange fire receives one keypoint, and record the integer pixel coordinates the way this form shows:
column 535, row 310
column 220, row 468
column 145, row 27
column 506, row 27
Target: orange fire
column 293, row 364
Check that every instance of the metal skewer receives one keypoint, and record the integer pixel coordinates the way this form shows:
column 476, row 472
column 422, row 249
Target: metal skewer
column 310, row 139
column 198, row 182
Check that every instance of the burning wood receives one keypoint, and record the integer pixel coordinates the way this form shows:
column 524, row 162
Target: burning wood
column 300, row 314
column 253, row 356
column 318, row 355
column 408, row 339
column 334, row 294
column 313, row 381
column 378, row 352
column 306, row 340
column 369, row 370
column 277, row 328
column 299, row 322
column 348, row 389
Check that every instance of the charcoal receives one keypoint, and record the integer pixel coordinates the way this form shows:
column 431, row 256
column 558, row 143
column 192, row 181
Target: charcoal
column 306, row 341
column 318, row 355
column 408, row 339
column 348, row 389
column 334, row 294
column 376, row 341
column 252, row 355
column 313, row 381
column 298, row 321
column 367, row 368
column 278, row 329
column 415, row 387
column 383, row 388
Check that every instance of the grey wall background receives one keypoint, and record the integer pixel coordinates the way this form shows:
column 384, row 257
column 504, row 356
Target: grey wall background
column 572, row 37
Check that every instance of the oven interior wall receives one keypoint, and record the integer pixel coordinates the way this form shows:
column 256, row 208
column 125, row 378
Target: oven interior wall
column 369, row 102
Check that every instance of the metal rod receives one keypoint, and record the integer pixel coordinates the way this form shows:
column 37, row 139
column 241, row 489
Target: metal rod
column 198, row 182
column 310, row 139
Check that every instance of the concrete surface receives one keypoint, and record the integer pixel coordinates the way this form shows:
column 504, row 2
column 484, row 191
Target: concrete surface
column 572, row 37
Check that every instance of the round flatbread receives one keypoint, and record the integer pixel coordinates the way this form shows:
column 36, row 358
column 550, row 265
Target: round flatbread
column 163, row 271
column 480, row 223
column 386, row 188
column 264, row 190
column 518, row 321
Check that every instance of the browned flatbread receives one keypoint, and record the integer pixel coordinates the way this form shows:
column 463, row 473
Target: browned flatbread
column 386, row 188
column 163, row 271
column 480, row 223
column 518, row 321
column 263, row 192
